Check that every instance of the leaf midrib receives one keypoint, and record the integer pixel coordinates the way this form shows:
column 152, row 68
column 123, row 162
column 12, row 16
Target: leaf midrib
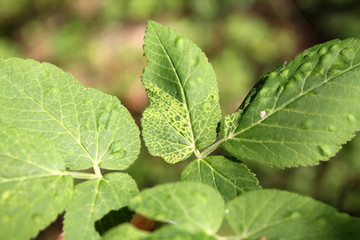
column 181, row 87
column 291, row 101
column 221, row 175
column 53, row 116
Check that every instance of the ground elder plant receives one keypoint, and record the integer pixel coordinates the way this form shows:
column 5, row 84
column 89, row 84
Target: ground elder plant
column 53, row 130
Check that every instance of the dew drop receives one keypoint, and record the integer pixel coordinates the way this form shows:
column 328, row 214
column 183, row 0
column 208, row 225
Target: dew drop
column 322, row 50
column 331, row 128
column 36, row 218
column 334, row 47
column 306, row 67
column 351, row 118
column 195, row 62
column 325, row 150
column 346, row 54
column 298, row 77
column 291, row 83
column 51, row 89
column 273, row 75
column 207, row 105
column 264, row 91
column 227, row 211
column 325, row 59
column 86, row 124
column 284, row 73
column 5, row 195
column 101, row 120
column 116, row 149
column 306, row 124
column 295, row 214
column 179, row 41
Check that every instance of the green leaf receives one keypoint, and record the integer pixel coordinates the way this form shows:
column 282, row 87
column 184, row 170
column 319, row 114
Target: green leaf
column 88, row 127
column 230, row 178
column 274, row 214
column 92, row 200
column 184, row 102
column 125, row 231
column 301, row 113
column 180, row 232
column 33, row 190
column 168, row 232
column 182, row 203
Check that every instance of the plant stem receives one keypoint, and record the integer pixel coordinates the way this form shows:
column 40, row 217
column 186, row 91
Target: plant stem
column 97, row 171
column 213, row 147
column 79, row 175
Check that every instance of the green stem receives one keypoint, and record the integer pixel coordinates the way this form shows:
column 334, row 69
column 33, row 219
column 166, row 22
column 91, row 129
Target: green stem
column 79, row 175
column 213, row 147
column 97, row 171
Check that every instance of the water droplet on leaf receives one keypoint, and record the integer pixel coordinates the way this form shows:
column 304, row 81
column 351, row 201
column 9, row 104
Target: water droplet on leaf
column 227, row 211
column 306, row 124
column 325, row 150
column 5, row 195
column 207, row 105
column 351, row 118
column 116, row 149
column 179, row 41
column 322, row 50
column 295, row 214
column 331, row 128
column 195, row 62
column 346, row 54
column 36, row 218
column 284, row 73
column 101, row 120
column 334, row 47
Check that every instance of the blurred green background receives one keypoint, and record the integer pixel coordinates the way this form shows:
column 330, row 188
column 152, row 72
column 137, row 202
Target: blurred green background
column 100, row 43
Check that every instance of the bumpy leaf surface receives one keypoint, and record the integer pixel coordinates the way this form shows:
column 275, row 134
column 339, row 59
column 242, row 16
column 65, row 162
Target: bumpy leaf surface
column 184, row 103
column 33, row 190
column 230, row 178
column 87, row 126
column 169, row 232
column 301, row 113
column 182, row 203
column 92, row 200
column 274, row 214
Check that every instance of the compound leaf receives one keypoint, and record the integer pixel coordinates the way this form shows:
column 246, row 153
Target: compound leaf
column 229, row 177
column 92, row 200
column 300, row 113
column 88, row 127
column 274, row 214
column 184, row 102
column 182, row 203
column 33, row 190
